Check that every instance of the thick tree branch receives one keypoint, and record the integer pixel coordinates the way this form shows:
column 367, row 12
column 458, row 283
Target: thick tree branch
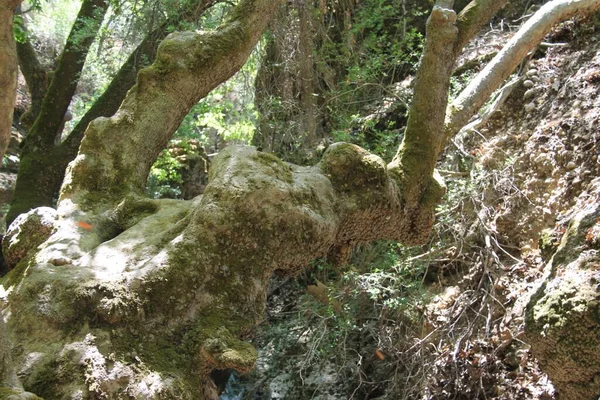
column 108, row 103
column 46, row 166
column 507, row 60
column 417, row 155
column 39, row 143
column 116, row 153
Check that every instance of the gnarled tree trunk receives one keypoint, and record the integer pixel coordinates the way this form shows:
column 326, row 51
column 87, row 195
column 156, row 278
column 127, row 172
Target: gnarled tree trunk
column 144, row 298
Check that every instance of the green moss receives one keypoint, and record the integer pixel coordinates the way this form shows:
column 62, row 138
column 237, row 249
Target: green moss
column 357, row 173
column 37, row 183
column 434, row 192
column 218, row 345
column 44, row 376
column 16, row 275
column 278, row 168
column 7, row 393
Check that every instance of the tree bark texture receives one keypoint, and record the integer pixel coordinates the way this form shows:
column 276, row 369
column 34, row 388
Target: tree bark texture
column 417, row 155
column 36, row 77
column 105, row 276
column 144, row 298
column 200, row 267
column 446, row 36
column 8, row 71
column 66, row 76
column 117, row 153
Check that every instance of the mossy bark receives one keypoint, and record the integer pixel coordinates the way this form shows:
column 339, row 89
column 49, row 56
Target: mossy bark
column 165, row 289
column 417, row 155
column 117, row 153
column 41, row 172
column 36, row 77
column 66, row 75
column 143, row 298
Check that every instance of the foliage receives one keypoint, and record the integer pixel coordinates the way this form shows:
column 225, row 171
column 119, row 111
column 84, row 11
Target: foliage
column 356, row 68
column 387, row 48
column 227, row 114
column 165, row 180
column 355, row 332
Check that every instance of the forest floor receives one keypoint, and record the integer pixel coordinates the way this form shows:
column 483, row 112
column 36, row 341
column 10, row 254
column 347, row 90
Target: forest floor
column 456, row 331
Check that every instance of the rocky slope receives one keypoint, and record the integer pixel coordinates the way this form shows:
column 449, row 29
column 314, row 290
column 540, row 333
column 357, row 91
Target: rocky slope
column 510, row 309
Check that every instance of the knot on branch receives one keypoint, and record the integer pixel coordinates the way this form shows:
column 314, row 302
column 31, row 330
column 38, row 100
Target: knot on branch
column 441, row 15
column 351, row 168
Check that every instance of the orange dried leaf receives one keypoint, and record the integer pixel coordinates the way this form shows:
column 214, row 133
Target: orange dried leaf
column 379, row 354
column 85, row 225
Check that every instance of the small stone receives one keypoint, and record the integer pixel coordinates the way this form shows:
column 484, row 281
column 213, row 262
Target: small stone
column 556, row 85
column 529, row 107
column 528, row 84
column 571, row 166
column 136, row 283
column 529, row 94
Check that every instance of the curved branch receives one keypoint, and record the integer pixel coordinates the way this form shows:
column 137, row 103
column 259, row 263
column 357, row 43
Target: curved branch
column 108, row 103
column 507, row 60
column 46, row 166
column 116, row 153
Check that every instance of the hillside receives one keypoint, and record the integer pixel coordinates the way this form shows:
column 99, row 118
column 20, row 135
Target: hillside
column 516, row 183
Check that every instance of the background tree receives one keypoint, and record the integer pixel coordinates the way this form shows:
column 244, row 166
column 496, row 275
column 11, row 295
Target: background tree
column 45, row 156
column 147, row 297
column 8, row 71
